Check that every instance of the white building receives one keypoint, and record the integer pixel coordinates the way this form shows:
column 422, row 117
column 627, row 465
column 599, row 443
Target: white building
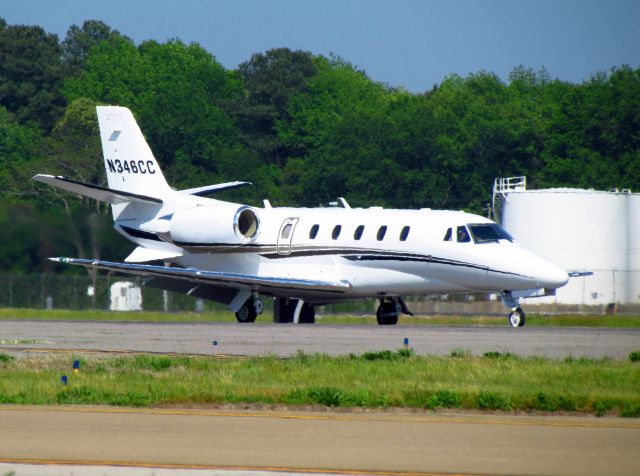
column 579, row 230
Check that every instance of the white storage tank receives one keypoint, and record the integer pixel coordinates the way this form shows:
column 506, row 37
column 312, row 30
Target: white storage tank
column 634, row 248
column 581, row 230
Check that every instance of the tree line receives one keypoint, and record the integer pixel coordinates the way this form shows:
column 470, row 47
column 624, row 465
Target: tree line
column 303, row 128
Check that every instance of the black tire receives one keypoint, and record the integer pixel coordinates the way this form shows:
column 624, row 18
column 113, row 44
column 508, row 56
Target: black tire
column 282, row 312
column 247, row 313
column 517, row 317
column 307, row 314
column 387, row 314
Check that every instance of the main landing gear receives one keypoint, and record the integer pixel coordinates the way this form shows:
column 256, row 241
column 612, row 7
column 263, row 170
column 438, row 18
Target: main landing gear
column 389, row 310
column 300, row 312
column 517, row 317
column 293, row 310
column 284, row 310
column 250, row 310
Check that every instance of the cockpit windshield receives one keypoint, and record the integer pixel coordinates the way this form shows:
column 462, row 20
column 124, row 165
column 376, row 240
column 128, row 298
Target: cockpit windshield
column 488, row 232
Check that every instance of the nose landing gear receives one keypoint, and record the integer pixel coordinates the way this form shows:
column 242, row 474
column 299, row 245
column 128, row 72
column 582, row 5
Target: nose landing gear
column 517, row 317
column 511, row 299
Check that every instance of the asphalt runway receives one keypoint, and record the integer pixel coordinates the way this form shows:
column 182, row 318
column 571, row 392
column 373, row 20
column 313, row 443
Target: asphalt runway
column 319, row 442
column 20, row 336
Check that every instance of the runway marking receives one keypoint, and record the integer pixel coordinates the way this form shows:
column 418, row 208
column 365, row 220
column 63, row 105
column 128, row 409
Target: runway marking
column 119, row 464
column 444, row 419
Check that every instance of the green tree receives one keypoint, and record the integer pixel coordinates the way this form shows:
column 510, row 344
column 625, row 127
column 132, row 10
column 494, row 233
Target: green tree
column 338, row 127
column 269, row 80
column 80, row 40
column 19, row 146
column 31, row 75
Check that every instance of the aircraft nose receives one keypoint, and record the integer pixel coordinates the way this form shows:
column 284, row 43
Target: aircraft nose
column 552, row 276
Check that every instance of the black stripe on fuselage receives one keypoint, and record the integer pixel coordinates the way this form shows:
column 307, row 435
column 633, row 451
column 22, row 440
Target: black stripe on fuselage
column 351, row 254
column 428, row 259
column 379, row 255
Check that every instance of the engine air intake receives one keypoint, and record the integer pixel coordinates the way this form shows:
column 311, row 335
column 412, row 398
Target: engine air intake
column 245, row 223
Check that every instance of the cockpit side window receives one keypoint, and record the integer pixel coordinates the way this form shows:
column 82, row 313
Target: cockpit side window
column 488, row 232
column 462, row 234
column 447, row 235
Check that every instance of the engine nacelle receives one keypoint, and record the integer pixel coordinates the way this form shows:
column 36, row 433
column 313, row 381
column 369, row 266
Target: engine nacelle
column 221, row 225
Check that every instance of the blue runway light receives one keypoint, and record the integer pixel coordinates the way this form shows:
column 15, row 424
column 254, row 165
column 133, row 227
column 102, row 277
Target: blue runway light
column 406, row 343
column 64, row 380
column 76, row 364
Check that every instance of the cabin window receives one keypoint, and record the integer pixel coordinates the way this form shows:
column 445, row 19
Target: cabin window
column 358, row 233
column 381, row 232
column 447, row 235
column 404, row 234
column 336, row 232
column 462, row 234
column 314, row 232
column 286, row 231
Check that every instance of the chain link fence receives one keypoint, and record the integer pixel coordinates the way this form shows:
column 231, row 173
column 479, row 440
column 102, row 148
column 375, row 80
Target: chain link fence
column 51, row 291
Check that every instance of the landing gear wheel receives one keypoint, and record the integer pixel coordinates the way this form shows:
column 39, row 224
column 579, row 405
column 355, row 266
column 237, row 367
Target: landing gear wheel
column 307, row 314
column 247, row 313
column 387, row 313
column 517, row 317
column 257, row 305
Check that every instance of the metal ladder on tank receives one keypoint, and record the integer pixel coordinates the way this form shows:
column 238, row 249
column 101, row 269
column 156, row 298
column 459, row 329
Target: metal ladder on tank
column 501, row 188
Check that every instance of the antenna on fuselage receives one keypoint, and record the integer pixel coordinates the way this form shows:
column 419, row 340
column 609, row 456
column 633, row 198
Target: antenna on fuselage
column 344, row 203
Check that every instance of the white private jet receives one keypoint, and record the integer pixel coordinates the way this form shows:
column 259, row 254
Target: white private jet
column 302, row 257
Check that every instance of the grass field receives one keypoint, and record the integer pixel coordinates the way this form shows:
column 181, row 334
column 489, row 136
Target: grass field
column 622, row 321
column 383, row 379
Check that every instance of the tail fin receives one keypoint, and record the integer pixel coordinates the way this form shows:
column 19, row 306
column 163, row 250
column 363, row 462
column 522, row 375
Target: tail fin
column 130, row 164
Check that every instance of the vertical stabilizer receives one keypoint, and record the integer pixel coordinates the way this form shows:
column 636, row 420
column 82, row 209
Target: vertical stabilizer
column 130, row 164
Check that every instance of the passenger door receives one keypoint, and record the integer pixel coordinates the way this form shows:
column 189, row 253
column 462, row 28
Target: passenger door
column 285, row 235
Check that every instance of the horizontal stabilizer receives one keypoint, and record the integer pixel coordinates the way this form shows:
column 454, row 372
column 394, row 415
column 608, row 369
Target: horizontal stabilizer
column 142, row 254
column 211, row 189
column 234, row 280
column 96, row 192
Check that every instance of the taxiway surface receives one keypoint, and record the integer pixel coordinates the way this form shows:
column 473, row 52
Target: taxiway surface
column 287, row 339
column 320, row 442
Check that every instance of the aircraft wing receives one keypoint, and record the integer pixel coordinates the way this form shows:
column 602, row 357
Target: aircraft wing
column 96, row 192
column 238, row 281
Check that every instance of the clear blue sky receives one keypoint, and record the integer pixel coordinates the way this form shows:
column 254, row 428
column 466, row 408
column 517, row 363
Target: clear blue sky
column 408, row 43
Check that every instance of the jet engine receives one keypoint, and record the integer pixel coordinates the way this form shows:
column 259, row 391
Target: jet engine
column 214, row 226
